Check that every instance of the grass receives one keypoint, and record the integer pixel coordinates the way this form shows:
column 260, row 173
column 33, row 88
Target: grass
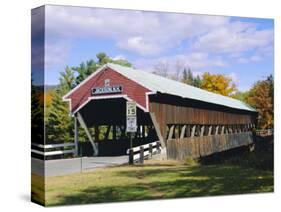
column 260, row 158
column 155, row 180
column 37, row 189
column 161, row 179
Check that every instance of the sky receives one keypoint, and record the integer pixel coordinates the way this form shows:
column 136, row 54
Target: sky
column 242, row 48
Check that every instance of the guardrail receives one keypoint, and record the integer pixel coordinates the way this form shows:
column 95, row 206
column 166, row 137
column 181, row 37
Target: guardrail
column 139, row 153
column 47, row 147
column 266, row 132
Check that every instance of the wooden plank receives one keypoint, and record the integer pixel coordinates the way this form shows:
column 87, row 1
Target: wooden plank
column 141, row 154
column 193, row 131
column 51, row 153
column 158, row 131
column 217, row 130
column 59, row 152
column 145, row 146
column 188, row 133
column 76, row 135
column 179, row 114
column 183, row 129
column 222, row 129
column 145, row 154
column 82, row 123
column 195, row 147
column 202, row 131
column 171, row 132
column 230, row 129
column 210, row 130
column 37, row 152
column 50, row 146
column 226, row 129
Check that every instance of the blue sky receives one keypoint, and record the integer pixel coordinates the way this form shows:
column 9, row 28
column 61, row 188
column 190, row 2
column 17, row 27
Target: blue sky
column 239, row 47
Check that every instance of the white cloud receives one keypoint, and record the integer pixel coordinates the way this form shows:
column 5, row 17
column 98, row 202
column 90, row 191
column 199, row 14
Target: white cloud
column 254, row 58
column 136, row 31
column 56, row 53
column 242, row 60
column 119, row 57
column 139, row 45
column 234, row 77
column 196, row 61
column 213, row 40
column 234, row 37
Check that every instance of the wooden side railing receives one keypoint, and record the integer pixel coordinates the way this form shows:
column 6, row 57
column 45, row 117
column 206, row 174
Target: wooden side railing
column 139, row 153
column 196, row 147
column 47, row 150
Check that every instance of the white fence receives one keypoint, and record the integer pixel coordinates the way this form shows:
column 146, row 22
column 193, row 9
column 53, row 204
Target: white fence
column 266, row 132
column 139, row 153
column 46, row 149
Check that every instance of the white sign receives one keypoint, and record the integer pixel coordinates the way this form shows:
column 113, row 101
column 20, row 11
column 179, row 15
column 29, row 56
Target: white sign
column 131, row 112
column 131, row 109
column 107, row 89
column 131, row 124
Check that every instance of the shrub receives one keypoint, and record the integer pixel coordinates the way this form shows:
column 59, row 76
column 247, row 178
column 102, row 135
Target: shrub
column 190, row 161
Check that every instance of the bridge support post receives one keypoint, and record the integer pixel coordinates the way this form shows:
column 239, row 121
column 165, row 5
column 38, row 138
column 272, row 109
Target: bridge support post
column 150, row 150
column 193, row 131
column 141, row 154
column 210, row 130
column 131, row 156
column 82, row 123
column 158, row 147
column 160, row 136
column 76, row 136
column 183, row 131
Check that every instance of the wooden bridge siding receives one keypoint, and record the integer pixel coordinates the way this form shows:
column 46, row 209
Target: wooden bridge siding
column 171, row 114
column 180, row 149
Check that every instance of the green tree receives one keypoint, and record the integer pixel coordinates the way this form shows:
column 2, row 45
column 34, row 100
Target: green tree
column 188, row 78
column 242, row 96
column 103, row 59
column 59, row 123
column 261, row 97
column 184, row 75
column 90, row 66
column 84, row 70
column 37, row 115
column 218, row 83
column 197, row 82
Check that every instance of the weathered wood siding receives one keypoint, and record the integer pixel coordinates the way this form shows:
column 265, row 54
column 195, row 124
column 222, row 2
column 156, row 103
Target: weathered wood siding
column 180, row 149
column 172, row 114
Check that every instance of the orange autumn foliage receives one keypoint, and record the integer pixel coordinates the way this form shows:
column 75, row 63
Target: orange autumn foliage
column 218, row 83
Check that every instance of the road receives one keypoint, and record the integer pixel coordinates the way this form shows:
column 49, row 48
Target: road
column 73, row 165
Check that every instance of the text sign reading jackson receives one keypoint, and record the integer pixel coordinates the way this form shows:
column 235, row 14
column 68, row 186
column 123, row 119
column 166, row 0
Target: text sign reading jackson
column 107, row 89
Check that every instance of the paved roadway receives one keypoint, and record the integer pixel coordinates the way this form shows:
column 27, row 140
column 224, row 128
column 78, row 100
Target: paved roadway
column 73, row 165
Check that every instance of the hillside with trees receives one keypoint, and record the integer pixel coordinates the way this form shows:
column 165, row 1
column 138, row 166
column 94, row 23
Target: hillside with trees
column 261, row 97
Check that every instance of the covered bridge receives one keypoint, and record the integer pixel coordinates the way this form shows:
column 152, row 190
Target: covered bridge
column 188, row 121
